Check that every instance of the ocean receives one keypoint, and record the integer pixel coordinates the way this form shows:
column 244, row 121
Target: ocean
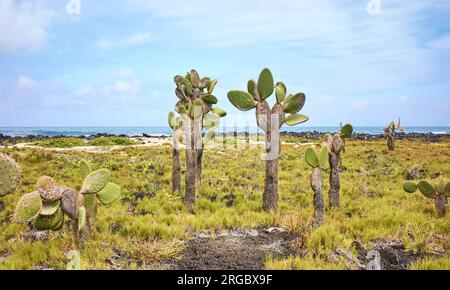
column 158, row 131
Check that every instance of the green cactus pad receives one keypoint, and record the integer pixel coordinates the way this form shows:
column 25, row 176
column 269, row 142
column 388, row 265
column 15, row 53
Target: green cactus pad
column 447, row 189
column 410, row 186
column 280, row 90
column 294, row 103
column 209, row 137
column 439, row 185
column 265, row 84
column 109, row 194
column 211, row 121
column 210, row 99
column 241, row 100
column 295, row 119
column 188, row 88
column 251, row 86
column 95, row 181
column 81, row 219
column 172, row 119
column 90, row 203
column 58, row 226
column 45, row 223
column 347, row 131
column 69, row 203
column 28, row 207
column 211, row 85
column 9, row 174
column 49, row 207
column 427, row 189
column 311, row 157
column 48, row 188
column 219, row 111
column 323, row 156
column 85, row 169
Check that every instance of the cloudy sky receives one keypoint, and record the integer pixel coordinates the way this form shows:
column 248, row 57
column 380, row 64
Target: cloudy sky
column 113, row 64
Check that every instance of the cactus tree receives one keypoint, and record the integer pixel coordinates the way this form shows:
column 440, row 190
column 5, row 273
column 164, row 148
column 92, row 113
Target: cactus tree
column 336, row 145
column 195, row 106
column 176, row 124
column 390, row 132
column 270, row 121
column 9, row 174
column 440, row 192
column 318, row 161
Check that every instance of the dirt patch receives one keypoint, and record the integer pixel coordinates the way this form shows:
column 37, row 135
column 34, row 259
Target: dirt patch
column 234, row 250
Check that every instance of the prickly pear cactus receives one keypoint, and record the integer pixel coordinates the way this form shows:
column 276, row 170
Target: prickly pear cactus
column 9, row 174
column 318, row 161
column 438, row 190
column 390, row 132
column 336, row 145
column 270, row 120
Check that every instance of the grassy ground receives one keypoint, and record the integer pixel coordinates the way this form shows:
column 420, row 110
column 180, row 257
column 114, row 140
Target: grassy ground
column 144, row 233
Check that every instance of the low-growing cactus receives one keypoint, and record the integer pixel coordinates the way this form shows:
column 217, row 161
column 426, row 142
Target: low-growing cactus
column 270, row 121
column 318, row 161
column 390, row 132
column 47, row 207
column 336, row 145
column 195, row 107
column 439, row 191
column 9, row 174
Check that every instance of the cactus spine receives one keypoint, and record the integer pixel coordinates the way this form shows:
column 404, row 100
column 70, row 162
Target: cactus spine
column 270, row 121
column 439, row 191
column 195, row 107
column 9, row 174
column 336, row 145
column 318, row 161
column 390, row 132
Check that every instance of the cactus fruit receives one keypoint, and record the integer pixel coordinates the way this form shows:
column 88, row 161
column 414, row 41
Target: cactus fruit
column 390, row 132
column 197, row 111
column 336, row 145
column 266, row 117
column 439, row 191
column 9, row 174
column 318, row 161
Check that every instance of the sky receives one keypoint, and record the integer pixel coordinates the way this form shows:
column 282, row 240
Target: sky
column 112, row 64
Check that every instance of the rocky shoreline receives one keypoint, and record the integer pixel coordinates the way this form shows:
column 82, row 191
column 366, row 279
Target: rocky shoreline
column 430, row 137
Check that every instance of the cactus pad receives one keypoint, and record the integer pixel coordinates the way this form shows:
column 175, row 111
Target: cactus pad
column 210, row 99
column 323, row 156
column 28, row 207
column 447, row 189
column 172, row 121
column 311, row 157
column 85, row 169
column 109, row 194
column 211, row 85
column 241, row 100
column 81, row 219
column 295, row 119
column 265, row 84
column 211, row 121
column 69, row 201
column 49, row 207
column 48, row 188
column 45, row 223
column 90, row 203
column 294, row 103
column 251, row 86
column 9, row 174
column 410, row 186
column 346, row 131
column 219, row 111
column 280, row 91
column 427, row 189
column 95, row 181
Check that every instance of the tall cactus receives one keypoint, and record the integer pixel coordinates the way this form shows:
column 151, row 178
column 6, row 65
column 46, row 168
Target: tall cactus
column 318, row 161
column 336, row 145
column 390, row 132
column 195, row 106
column 439, row 191
column 176, row 124
column 270, row 121
column 9, row 174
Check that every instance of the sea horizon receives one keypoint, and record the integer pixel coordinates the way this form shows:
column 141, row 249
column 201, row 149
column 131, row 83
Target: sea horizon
column 163, row 130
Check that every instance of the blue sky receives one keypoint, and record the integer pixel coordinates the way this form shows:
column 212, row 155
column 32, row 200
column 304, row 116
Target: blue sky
column 113, row 64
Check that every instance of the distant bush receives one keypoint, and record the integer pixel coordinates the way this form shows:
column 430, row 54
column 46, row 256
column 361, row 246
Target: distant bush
column 111, row 141
column 64, row 142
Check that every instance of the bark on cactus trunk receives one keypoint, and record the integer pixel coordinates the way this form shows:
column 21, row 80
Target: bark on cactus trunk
column 270, row 194
column 391, row 143
column 176, row 167
column 191, row 161
column 441, row 203
column 316, row 185
column 335, row 181
column 199, row 154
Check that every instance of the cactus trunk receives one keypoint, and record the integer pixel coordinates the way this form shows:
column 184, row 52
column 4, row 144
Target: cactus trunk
column 391, row 143
column 191, row 162
column 441, row 203
column 270, row 195
column 176, row 169
column 335, row 182
column 198, row 168
column 316, row 185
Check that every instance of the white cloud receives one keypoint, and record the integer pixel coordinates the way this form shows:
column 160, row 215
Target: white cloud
column 137, row 39
column 125, row 73
column 26, row 83
column 23, row 26
column 122, row 87
column 360, row 105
